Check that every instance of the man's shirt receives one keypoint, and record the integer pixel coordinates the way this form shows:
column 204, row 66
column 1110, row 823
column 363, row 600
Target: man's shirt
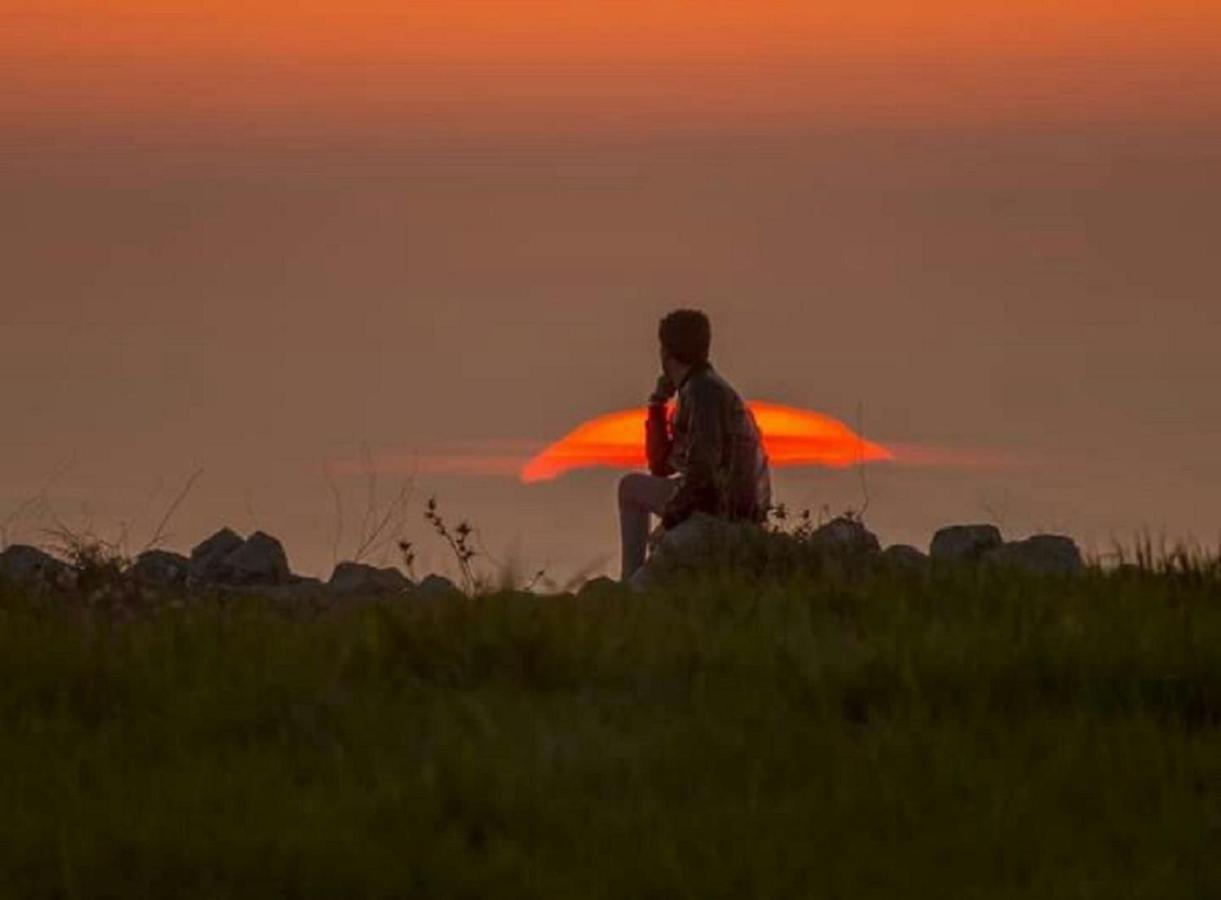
column 714, row 445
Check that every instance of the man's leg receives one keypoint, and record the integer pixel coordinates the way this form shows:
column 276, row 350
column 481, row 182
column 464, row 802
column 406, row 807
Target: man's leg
column 639, row 495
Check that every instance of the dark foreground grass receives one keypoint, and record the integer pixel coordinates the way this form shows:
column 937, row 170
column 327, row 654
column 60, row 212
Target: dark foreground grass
column 960, row 735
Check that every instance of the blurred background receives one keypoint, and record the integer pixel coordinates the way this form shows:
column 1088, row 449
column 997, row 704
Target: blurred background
column 271, row 242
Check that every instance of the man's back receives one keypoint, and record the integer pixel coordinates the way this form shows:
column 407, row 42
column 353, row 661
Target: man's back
column 715, row 447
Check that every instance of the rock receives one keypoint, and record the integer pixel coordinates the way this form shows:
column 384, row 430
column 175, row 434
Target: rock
column 298, row 588
column 207, row 558
column 904, row 556
column 600, row 585
column 218, row 546
column 645, row 577
column 964, row 543
column 704, row 541
column 161, row 568
column 259, row 560
column 1043, row 554
column 694, row 543
column 434, row 586
column 22, row 564
column 358, row 578
column 845, row 536
column 695, row 537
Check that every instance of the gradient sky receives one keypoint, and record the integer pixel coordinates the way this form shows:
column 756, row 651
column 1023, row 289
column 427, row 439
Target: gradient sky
column 255, row 238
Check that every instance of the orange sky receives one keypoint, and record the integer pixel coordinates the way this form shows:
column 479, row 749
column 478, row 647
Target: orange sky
column 252, row 237
column 625, row 29
column 493, row 61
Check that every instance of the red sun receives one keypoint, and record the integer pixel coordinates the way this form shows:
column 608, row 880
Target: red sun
column 792, row 437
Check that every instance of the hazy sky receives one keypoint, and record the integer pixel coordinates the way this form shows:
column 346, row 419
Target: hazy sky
column 256, row 238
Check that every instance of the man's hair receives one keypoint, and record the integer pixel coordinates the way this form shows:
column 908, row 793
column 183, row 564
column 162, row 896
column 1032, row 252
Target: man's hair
column 686, row 334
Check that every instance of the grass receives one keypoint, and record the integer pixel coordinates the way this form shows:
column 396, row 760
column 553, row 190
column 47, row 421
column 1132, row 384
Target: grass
column 960, row 734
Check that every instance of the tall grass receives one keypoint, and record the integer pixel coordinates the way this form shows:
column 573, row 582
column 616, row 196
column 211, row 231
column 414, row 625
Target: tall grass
column 966, row 733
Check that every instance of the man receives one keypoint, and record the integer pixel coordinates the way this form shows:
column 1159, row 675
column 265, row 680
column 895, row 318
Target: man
column 709, row 459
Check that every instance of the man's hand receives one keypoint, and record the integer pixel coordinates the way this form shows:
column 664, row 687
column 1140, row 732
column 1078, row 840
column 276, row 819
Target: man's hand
column 664, row 391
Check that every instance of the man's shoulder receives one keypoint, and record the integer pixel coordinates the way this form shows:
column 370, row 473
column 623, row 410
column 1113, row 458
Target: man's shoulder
column 707, row 382
column 709, row 386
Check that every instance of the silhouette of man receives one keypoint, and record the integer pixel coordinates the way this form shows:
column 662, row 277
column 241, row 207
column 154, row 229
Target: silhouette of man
column 708, row 458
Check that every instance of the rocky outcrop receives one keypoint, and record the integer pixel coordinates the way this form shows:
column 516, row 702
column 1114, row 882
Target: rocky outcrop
column 228, row 564
column 844, row 536
column 207, row 558
column 704, row 541
column 226, row 559
column 161, row 568
column 600, row 585
column 29, row 566
column 259, row 560
column 297, row 589
column 351, row 578
column 692, row 544
column 964, row 543
column 904, row 557
column 1042, row 554
column 433, row 587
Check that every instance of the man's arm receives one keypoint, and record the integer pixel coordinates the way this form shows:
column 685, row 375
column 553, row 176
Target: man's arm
column 657, row 440
column 703, row 454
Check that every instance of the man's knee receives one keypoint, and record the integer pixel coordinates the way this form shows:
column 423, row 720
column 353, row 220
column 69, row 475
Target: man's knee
column 627, row 492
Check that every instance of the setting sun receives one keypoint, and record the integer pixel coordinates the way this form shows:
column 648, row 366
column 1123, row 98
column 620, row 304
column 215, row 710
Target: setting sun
column 792, row 437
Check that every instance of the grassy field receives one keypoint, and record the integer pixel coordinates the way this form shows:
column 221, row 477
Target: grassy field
column 960, row 734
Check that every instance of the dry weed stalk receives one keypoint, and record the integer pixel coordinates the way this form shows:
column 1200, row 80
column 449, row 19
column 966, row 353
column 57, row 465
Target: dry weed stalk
column 459, row 542
column 33, row 508
column 380, row 526
column 160, row 532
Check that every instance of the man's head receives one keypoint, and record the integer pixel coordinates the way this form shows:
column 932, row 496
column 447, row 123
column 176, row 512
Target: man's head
column 685, row 336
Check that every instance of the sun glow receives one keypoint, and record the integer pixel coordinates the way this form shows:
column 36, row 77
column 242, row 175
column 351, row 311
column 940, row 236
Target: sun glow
column 792, row 437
